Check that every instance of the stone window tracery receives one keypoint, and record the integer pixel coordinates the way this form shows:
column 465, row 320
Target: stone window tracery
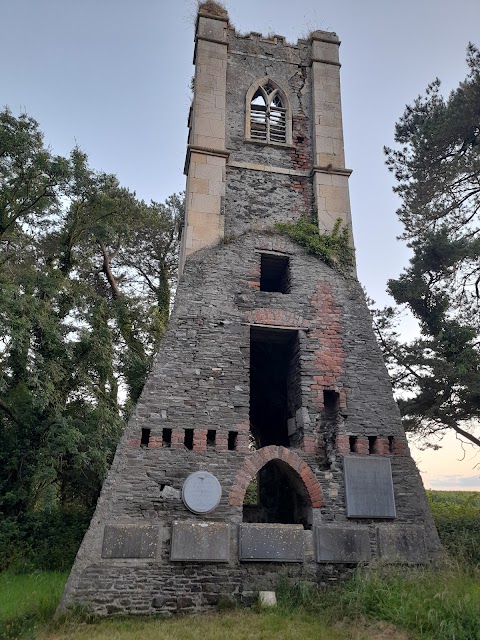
column 268, row 114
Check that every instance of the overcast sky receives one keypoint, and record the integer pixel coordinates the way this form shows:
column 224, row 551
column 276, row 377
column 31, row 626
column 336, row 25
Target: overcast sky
column 113, row 77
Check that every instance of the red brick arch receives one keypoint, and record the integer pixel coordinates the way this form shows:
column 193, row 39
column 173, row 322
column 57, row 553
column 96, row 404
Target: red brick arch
column 257, row 460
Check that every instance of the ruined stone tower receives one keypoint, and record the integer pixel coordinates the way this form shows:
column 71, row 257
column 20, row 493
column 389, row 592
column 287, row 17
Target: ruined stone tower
column 269, row 370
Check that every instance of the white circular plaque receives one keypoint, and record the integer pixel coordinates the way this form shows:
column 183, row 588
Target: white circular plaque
column 201, row 492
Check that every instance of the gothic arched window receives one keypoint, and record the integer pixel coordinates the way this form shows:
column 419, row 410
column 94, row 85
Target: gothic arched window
column 268, row 116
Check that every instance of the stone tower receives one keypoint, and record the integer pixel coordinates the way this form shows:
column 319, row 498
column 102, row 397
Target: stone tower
column 268, row 377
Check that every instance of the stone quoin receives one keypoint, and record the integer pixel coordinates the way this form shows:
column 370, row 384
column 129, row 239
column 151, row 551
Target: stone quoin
column 268, row 377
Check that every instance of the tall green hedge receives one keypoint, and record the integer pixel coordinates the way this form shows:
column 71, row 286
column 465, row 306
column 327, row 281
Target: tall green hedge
column 45, row 540
column 457, row 517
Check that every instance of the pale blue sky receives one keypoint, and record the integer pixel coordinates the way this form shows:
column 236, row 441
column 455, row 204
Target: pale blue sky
column 113, row 76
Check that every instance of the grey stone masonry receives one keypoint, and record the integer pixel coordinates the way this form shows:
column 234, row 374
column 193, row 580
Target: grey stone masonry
column 268, row 376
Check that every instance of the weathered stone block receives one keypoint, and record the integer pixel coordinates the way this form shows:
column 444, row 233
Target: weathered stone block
column 402, row 543
column 130, row 541
column 342, row 544
column 368, row 487
column 200, row 542
column 271, row 542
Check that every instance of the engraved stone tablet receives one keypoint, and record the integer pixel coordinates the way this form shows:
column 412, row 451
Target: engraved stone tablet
column 129, row 541
column 200, row 542
column 201, row 492
column 271, row 542
column 402, row 543
column 342, row 544
column 368, row 487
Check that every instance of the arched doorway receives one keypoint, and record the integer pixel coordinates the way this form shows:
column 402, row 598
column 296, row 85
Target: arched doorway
column 281, row 497
column 286, row 491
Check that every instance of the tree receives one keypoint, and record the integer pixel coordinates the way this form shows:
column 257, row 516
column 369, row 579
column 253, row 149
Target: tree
column 437, row 168
column 85, row 276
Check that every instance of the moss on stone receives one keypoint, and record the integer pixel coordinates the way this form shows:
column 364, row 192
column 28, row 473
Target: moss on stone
column 333, row 248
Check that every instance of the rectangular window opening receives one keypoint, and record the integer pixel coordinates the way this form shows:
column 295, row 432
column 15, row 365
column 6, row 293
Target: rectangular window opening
column 353, row 444
column 188, row 439
column 275, row 387
column 391, row 444
column 372, row 444
column 166, row 438
column 331, row 400
column 274, row 273
column 211, row 436
column 145, row 439
column 232, row 440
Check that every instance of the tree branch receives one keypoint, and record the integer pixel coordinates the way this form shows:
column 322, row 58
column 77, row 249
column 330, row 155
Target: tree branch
column 107, row 270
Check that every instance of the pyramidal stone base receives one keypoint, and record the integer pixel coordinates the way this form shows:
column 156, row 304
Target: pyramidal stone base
column 266, row 444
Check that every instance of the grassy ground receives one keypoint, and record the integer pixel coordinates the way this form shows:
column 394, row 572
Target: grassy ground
column 385, row 603
column 431, row 603
column 27, row 602
column 235, row 625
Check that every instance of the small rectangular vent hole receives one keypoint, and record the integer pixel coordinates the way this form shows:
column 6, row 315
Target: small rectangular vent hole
column 166, row 438
column 145, row 438
column 188, row 439
column 211, row 436
column 391, row 444
column 274, row 273
column 353, row 444
column 372, row 444
column 232, row 440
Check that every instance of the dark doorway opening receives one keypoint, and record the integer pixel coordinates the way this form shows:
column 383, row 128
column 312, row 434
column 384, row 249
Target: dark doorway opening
column 275, row 388
column 277, row 495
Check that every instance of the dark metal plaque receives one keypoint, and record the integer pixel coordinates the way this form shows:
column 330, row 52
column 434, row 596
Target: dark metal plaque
column 402, row 543
column 342, row 544
column 200, row 542
column 368, row 487
column 129, row 541
column 271, row 542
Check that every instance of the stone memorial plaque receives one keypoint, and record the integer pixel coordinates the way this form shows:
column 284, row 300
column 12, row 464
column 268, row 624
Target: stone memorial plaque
column 200, row 542
column 368, row 487
column 342, row 544
column 402, row 543
column 129, row 541
column 271, row 543
column 201, row 492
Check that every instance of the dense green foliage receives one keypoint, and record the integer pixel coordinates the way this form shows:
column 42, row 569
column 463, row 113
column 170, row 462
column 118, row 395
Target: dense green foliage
column 457, row 518
column 333, row 248
column 45, row 540
column 437, row 168
column 85, row 274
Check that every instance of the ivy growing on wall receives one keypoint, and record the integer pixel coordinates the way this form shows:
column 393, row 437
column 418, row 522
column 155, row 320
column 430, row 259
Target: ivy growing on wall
column 333, row 248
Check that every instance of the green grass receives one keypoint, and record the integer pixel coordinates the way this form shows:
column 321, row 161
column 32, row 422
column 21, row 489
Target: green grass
column 234, row 625
column 398, row 603
column 433, row 603
column 28, row 602
column 383, row 602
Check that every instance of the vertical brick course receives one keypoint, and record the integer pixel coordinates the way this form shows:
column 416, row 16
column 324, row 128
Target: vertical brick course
column 200, row 440
column 178, row 436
